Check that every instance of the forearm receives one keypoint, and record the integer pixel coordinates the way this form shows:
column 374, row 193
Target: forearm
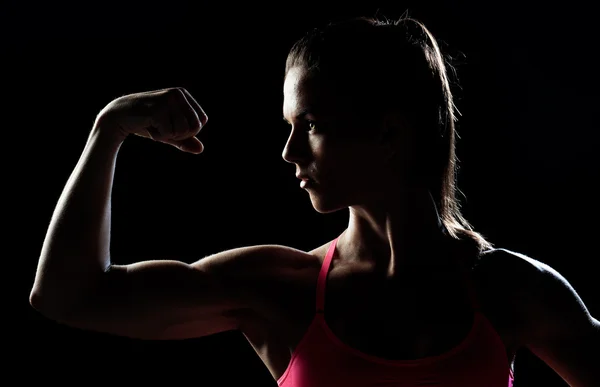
column 76, row 250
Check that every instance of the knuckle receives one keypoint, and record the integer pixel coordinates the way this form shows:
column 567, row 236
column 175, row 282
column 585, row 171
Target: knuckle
column 180, row 129
column 174, row 90
column 174, row 96
column 195, row 123
column 154, row 133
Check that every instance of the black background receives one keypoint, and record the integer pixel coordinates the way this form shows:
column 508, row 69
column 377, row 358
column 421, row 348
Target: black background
column 529, row 133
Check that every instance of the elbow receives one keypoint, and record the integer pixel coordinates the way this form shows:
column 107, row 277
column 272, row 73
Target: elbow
column 35, row 299
column 55, row 306
column 45, row 307
column 59, row 298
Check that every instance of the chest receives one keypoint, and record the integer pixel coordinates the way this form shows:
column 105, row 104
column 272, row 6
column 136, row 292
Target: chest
column 396, row 340
column 399, row 323
column 389, row 322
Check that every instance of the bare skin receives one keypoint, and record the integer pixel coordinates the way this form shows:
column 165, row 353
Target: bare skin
column 355, row 314
column 268, row 291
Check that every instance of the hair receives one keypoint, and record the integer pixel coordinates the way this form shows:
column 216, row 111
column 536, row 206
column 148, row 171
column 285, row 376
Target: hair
column 382, row 65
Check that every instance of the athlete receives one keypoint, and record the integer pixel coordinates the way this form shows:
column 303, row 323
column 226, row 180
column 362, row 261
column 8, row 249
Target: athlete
column 409, row 294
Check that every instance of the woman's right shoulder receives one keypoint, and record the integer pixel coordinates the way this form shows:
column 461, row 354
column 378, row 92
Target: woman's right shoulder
column 269, row 276
column 262, row 260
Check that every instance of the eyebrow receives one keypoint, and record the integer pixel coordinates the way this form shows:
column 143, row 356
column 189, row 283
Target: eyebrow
column 302, row 114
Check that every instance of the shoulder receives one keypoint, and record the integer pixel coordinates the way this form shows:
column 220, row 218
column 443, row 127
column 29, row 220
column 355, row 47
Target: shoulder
column 508, row 262
column 553, row 321
column 502, row 275
column 527, row 280
column 530, row 278
column 544, row 301
column 257, row 261
column 267, row 277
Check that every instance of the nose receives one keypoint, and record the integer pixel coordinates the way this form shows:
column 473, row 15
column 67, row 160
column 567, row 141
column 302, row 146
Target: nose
column 296, row 148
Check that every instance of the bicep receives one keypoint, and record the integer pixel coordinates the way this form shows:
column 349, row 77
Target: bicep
column 574, row 355
column 174, row 300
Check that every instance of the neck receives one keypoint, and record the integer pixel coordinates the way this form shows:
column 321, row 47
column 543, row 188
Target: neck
column 395, row 235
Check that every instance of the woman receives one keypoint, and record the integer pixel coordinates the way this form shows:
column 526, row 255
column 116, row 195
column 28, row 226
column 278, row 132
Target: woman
column 407, row 295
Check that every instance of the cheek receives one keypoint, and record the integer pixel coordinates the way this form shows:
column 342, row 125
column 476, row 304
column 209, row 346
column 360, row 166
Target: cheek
column 319, row 147
column 358, row 163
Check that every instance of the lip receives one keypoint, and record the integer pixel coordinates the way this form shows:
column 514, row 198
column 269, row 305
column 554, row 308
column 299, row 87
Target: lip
column 305, row 183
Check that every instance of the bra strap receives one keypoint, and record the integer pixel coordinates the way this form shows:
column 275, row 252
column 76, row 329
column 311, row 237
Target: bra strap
column 323, row 277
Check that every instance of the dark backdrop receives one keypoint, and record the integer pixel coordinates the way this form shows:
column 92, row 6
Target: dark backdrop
column 529, row 133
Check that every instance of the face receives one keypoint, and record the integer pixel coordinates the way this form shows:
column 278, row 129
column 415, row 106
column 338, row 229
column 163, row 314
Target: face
column 329, row 145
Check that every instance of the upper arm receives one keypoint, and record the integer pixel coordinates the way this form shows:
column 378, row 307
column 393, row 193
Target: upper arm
column 556, row 325
column 171, row 299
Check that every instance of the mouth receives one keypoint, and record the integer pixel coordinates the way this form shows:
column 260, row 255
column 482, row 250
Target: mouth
column 303, row 178
column 305, row 183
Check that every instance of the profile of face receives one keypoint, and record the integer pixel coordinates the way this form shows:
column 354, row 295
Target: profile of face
column 342, row 155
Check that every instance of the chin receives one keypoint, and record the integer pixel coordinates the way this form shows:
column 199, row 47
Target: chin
column 322, row 210
column 325, row 205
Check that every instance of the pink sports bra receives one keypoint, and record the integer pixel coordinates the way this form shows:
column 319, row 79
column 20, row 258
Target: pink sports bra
column 323, row 360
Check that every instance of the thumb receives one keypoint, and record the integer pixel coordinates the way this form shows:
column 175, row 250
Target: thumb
column 190, row 145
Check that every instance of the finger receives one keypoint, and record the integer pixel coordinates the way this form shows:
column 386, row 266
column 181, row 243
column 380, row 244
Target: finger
column 190, row 145
column 181, row 116
column 180, row 125
column 160, row 128
column 196, row 106
column 153, row 133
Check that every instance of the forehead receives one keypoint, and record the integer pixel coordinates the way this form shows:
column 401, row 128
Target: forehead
column 302, row 93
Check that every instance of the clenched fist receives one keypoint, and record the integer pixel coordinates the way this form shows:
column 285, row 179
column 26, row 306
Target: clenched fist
column 171, row 116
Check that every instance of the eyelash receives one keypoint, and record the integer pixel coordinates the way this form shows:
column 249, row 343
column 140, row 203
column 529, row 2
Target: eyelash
column 312, row 125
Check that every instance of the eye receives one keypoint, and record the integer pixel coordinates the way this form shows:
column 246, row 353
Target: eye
column 312, row 125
